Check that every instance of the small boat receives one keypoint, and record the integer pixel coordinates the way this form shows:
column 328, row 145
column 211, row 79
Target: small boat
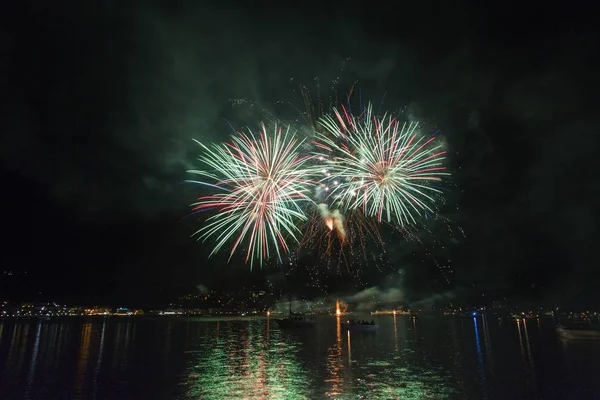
column 358, row 327
column 296, row 321
column 578, row 330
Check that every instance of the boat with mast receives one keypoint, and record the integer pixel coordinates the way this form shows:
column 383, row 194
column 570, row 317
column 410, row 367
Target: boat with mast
column 295, row 320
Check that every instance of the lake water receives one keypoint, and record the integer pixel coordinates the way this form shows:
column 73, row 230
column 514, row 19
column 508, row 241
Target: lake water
column 196, row 358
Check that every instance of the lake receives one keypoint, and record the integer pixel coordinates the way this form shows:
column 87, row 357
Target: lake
column 202, row 358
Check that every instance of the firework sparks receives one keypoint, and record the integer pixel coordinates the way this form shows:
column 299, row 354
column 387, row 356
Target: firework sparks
column 263, row 182
column 380, row 165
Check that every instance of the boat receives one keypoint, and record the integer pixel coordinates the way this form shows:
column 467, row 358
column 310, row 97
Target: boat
column 358, row 327
column 296, row 320
column 578, row 330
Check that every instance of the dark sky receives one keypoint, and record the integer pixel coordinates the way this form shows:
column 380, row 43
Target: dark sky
column 101, row 100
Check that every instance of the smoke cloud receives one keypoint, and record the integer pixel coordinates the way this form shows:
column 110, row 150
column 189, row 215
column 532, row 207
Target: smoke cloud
column 432, row 300
column 372, row 298
column 202, row 289
column 332, row 219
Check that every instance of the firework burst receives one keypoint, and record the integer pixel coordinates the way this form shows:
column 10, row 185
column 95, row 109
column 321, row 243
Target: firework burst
column 382, row 166
column 262, row 183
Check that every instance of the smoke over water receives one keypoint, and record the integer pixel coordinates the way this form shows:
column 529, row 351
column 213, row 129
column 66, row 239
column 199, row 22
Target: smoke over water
column 320, row 305
column 366, row 300
column 390, row 296
column 431, row 300
column 373, row 298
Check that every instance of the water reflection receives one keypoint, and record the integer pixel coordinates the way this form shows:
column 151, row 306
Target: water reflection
column 34, row 357
column 414, row 324
column 95, row 380
column 531, row 366
column 395, row 333
column 83, row 357
column 246, row 365
column 446, row 358
column 124, row 337
column 487, row 339
column 349, row 348
column 527, row 344
column 480, row 363
column 17, row 348
column 521, row 342
column 60, row 344
column 480, row 366
column 334, row 363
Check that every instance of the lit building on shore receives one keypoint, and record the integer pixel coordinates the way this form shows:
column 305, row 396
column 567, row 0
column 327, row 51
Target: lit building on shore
column 97, row 311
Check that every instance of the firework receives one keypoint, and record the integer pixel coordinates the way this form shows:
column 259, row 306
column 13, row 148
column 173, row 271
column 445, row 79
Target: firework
column 262, row 182
column 379, row 165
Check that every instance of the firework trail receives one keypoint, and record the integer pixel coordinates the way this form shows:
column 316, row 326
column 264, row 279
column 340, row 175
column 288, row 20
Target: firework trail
column 380, row 165
column 335, row 233
column 263, row 182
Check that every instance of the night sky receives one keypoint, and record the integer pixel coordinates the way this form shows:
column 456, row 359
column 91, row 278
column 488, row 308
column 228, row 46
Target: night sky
column 101, row 101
